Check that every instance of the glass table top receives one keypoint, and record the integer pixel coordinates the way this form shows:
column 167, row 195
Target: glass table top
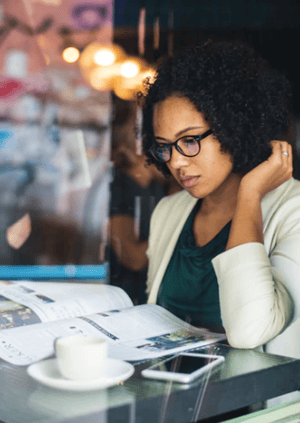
column 24, row 400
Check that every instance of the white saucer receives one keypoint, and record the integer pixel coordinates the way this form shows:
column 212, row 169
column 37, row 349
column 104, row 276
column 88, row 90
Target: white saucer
column 114, row 371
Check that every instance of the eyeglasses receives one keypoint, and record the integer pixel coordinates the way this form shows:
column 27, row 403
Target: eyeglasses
column 188, row 146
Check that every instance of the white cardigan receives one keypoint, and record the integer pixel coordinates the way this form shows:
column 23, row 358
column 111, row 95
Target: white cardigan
column 259, row 285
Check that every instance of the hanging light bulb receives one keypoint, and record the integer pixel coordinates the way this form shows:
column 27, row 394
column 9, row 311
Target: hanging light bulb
column 71, row 54
column 130, row 68
column 100, row 64
column 96, row 54
column 105, row 57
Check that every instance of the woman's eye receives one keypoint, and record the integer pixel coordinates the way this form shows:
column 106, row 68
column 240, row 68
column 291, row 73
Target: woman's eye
column 189, row 141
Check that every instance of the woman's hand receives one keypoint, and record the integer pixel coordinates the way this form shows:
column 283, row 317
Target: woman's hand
column 271, row 173
column 247, row 223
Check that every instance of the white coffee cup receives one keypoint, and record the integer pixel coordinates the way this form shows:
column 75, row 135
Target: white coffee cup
column 81, row 357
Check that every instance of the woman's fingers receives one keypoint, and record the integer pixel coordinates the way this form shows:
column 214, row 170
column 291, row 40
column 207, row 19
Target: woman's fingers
column 287, row 157
column 283, row 156
column 272, row 172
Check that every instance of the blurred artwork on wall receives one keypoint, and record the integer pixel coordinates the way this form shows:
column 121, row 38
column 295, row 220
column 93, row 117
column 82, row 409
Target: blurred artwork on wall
column 54, row 127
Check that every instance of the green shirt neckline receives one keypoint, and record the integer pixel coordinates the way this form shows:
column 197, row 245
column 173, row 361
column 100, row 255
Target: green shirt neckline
column 189, row 288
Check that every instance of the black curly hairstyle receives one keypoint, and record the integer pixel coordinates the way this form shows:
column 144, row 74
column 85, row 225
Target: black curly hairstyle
column 245, row 102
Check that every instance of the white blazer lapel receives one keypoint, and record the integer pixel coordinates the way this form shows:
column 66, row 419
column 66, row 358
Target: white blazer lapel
column 180, row 211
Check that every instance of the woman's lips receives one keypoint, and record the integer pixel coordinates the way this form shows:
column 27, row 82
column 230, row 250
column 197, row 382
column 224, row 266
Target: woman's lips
column 189, row 181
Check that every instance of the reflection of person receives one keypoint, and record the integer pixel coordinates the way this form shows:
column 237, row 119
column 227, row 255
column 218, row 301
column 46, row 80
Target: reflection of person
column 135, row 191
column 225, row 252
column 131, row 206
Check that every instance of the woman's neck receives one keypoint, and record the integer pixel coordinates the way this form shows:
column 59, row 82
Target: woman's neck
column 223, row 200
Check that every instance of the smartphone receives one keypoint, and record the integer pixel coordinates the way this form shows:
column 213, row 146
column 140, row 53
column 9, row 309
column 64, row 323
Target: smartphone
column 184, row 367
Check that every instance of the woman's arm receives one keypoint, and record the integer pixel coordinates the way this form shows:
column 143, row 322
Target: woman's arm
column 255, row 304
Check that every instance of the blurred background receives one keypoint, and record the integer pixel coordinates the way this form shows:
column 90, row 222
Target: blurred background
column 70, row 147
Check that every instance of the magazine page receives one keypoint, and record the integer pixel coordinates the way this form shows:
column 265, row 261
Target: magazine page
column 26, row 303
column 152, row 331
column 136, row 333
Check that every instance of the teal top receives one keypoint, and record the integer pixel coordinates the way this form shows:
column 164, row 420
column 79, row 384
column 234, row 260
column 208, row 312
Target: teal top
column 189, row 288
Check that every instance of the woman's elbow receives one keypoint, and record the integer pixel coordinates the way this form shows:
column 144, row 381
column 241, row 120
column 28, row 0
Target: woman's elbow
column 242, row 340
column 253, row 334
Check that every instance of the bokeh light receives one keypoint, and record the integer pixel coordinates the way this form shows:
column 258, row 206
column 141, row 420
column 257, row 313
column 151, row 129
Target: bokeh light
column 105, row 57
column 71, row 54
column 96, row 54
column 129, row 69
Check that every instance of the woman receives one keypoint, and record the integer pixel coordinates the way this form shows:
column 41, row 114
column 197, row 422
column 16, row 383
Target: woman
column 225, row 252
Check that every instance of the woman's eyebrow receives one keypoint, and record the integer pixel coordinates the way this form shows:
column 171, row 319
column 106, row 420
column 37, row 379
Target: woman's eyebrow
column 181, row 132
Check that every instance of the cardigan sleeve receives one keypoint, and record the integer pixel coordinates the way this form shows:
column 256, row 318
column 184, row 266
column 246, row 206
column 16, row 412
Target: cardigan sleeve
column 259, row 283
column 255, row 302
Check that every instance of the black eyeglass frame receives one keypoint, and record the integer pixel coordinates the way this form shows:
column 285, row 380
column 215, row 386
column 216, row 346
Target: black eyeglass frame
column 169, row 146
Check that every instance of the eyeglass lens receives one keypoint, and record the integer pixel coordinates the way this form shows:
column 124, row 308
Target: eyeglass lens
column 188, row 146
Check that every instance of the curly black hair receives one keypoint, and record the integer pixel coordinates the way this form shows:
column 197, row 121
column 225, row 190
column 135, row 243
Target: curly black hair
column 244, row 100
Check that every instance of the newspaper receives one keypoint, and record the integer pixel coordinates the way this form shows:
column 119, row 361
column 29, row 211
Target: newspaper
column 34, row 314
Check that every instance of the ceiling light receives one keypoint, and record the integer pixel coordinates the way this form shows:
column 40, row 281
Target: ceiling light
column 105, row 57
column 129, row 69
column 71, row 54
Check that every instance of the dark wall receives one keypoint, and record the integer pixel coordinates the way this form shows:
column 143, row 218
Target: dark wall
column 211, row 13
column 272, row 28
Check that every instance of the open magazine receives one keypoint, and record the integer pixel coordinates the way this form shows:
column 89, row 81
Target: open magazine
column 34, row 314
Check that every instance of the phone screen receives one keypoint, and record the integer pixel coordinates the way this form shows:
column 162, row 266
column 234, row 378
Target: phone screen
column 184, row 364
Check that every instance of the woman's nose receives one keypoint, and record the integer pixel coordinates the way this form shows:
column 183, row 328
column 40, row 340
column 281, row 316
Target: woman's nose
column 177, row 160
